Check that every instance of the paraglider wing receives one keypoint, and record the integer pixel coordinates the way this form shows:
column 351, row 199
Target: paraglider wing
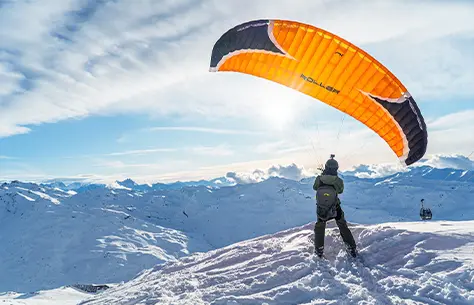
column 330, row 69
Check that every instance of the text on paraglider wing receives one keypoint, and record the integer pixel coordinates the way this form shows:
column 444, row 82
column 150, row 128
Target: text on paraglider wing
column 329, row 88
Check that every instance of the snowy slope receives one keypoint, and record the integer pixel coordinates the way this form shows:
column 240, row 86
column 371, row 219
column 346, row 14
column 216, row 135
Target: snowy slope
column 227, row 215
column 60, row 296
column 52, row 237
column 418, row 263
column 49, row 240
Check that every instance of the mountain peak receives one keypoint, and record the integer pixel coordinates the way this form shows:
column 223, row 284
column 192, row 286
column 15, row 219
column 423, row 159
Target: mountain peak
column 127, row 181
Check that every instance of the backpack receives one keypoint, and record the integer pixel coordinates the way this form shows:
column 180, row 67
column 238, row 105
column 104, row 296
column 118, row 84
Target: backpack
column 326, row 200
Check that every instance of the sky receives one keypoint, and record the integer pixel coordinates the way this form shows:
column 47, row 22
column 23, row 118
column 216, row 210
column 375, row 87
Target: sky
column 107, row 90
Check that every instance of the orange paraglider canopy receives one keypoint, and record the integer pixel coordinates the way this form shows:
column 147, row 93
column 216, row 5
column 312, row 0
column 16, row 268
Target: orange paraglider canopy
column 330, row 69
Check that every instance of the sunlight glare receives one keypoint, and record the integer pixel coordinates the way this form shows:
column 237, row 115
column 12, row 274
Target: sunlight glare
column 278, row 106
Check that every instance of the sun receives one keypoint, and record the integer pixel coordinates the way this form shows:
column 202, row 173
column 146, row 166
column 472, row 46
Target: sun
column 277, row 114
column 277, row 107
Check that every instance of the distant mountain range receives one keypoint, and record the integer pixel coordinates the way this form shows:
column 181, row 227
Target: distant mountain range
column 360, row 172
column 55, row 234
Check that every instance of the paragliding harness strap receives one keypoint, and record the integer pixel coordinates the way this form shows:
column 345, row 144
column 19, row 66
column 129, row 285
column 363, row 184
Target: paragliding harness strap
column 326, row 200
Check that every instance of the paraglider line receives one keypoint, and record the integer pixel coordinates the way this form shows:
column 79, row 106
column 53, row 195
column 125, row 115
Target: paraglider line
column 312, row 142
column 340, row 129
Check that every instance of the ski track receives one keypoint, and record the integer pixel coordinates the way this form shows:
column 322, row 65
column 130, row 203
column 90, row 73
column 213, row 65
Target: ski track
column 395, row 267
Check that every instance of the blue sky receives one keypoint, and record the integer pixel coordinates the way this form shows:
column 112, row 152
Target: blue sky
column 113, row 89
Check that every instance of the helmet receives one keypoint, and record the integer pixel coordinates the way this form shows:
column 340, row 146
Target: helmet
column 331, row 163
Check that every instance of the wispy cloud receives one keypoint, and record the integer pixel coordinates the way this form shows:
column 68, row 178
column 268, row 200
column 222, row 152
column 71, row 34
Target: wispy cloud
column 287, row 146
column 66, row 60
column 217, row 150
column 142, row 152
column 221, row 150
column 451, row 133
column 205, row 130
column 270, row 147
column 296, row 149
column 6, row 157
column 117, row 164
column 21, row 171
column 462, row 119
column 10, row 130
column 8, row 79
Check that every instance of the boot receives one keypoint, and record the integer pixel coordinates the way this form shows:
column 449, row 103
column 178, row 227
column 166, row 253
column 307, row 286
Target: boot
column 319, row 251
column 351, row 250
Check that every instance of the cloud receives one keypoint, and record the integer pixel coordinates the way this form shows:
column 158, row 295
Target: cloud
column 456, row 161
column 270, row 147
column 451, row 133
column 296, row 149
column 9, row 79
column 117, row 164
column 203, row 130
column 6, row 157
column 457, row 120
column 65, row 59
column 10, row 130
column 291, row 171
column 142, row 151
column 450, row 161
column 19, row 170
column 221, row 150
column 245, row 178
column 375, row 170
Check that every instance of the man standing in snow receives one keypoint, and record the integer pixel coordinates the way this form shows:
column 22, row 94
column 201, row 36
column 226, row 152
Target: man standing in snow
column 327, row 187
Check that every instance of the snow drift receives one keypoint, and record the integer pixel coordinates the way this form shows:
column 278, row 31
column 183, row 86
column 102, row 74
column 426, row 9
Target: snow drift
column 55, row 235
column 403, row 263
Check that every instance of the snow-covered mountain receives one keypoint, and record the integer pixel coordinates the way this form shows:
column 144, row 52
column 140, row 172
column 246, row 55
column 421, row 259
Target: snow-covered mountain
column 53, row 236
column 424, row 172
column 132, row 185
column 402, row 263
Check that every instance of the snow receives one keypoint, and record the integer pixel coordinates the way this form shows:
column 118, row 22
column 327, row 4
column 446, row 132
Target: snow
column 250, row 239
column 46, row 196
column 26, row 197
column 60, row 296
column 117, row 185
column 81, row 240
column 398, row 266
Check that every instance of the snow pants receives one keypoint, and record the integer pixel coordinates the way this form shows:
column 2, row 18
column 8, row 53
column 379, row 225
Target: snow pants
column 320, row 227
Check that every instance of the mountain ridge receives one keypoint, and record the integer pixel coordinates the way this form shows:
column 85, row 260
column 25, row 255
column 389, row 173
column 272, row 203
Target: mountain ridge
column 120, row 231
